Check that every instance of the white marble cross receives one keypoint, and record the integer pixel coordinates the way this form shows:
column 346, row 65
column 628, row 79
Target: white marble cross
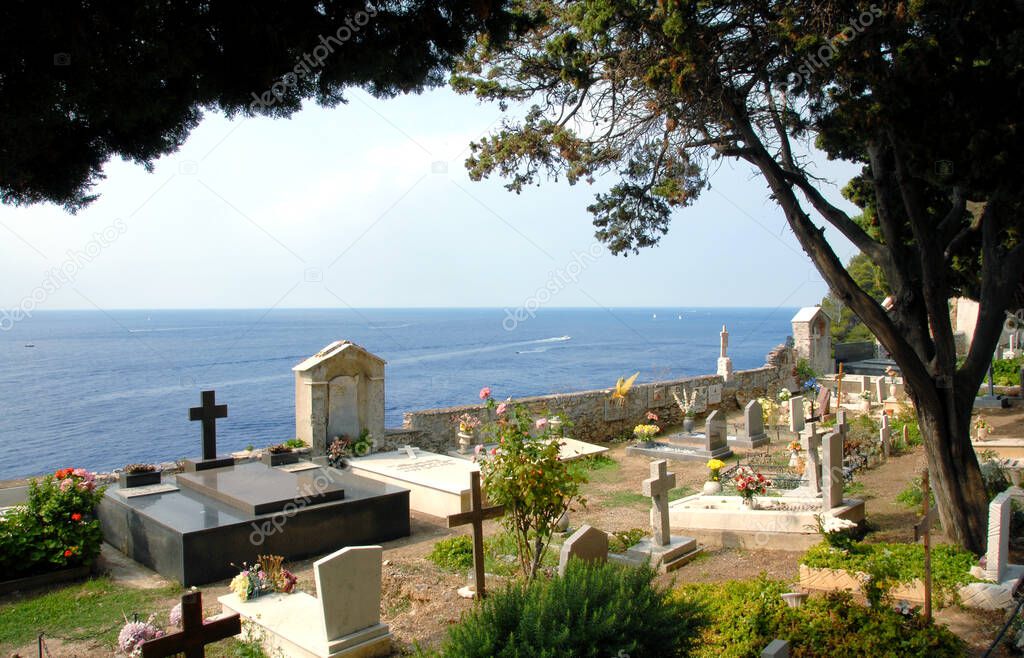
column 410, row 450
column 657, row 487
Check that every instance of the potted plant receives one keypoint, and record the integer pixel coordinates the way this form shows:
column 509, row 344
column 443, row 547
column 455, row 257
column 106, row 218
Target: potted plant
column 688, row 405
column 644, row 433
column 467, row 424
column 138, row 475
column 713, row 485
column 279, row 455
column 982, row 427
column 865, row 400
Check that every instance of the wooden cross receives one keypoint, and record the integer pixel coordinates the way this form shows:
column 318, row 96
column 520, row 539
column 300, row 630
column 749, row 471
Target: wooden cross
column 195, row 634
column 922, row 531
column 476, row 516
column 839, row 388
column 657, row 487
column 208, row 414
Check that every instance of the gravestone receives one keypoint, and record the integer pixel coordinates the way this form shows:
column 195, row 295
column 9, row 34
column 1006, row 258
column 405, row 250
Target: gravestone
column 796, row 414
column 588, row 544
column 715, row 439
column 822, row 402
column 832, row 471
column 339, row 391
column 776, row 649
column 753, row 434
column 207, row 414
column 885, row 436
column 438, row 484
column 663, row 550
column 342, row 620
column 812, row 467
column 715, row 393
column 881, row 390
column 841, row 422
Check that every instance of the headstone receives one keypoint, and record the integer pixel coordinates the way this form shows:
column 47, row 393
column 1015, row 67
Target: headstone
column 821, row 404
column 998, row 554
column 207, row 414
column 776, row 649
column 348, row 586
column 832, row 471
column 475, row 517
column 339, row 391
column 195, row 633
column 885, row 436
column 715, row 394
column 715, row 432
column 657, row 487
column 588, row 544
column 841, row 422
column 812, row 467
column 881, row 390
column 796, row 413
column 753, row 434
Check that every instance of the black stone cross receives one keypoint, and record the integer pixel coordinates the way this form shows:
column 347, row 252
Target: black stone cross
column 195, row 634
column 208, row 414
column 476, row 516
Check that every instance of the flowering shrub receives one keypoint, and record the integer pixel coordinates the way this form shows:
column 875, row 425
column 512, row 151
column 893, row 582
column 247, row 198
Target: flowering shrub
column 134, row 633
column 56, row 529
column 343, row 447
column 524, row 473
column 750, row 483
column 263, row 577
column 645, row 432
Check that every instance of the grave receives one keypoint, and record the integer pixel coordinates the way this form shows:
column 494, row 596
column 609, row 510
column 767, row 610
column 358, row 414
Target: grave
column 1004, row 577
column 438, row 484
column 587, row 544
column 775, row 522
column 752, row 435
column 192, row 527
column 195, row 633
column 475, row 517
column 697, row 446
column 207, row 414
column 568, row 450
column 885, row 436
column 663, row 550
column 796, row 414
column 342, row 620
column 339, row 391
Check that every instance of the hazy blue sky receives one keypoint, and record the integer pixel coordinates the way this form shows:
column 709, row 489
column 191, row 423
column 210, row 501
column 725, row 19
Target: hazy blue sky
column 352, row 207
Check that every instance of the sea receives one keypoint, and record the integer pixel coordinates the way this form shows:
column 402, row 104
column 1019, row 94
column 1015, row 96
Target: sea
column 101, row 389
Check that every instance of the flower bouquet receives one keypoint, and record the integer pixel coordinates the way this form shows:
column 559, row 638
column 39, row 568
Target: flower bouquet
column 715, row 466
column 645, row 433
column 263, row 577
column 750, row 483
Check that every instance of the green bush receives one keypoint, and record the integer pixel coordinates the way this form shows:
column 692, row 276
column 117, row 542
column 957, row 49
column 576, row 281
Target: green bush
column 912, row 496
column 900, row 563
column 453, row 553
column 747, row 615
column 620, row 542
column 594, row 610
column 56, row 529
column 1006, row 372
column 905, row 418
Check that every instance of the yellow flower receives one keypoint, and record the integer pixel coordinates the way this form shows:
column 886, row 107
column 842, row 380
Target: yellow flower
column 240, row 586
column 716, row 464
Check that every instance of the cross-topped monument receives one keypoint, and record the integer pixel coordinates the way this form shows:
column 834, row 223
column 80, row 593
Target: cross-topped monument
column 195, row 634
column 208, row 413
column 476, row 516
column 657, row 487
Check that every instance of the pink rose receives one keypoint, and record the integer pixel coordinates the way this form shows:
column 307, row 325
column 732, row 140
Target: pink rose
column 80, row 472
column 494, row 451
column 66, row 484
column 501, row 408
column 485, row 392
column 541, row 423
column 477, row 448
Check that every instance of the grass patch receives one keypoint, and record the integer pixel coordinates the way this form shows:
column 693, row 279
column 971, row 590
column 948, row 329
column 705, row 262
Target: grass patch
column 599, row 463
column 912, row 496
column 92, row 610
column 680, row 492
column 853, row 488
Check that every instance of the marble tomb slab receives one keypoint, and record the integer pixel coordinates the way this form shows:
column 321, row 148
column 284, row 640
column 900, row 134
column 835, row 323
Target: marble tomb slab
column 438, row 484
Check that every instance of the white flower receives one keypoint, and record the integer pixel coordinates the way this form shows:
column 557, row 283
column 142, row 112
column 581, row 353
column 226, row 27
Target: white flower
column 832, row 524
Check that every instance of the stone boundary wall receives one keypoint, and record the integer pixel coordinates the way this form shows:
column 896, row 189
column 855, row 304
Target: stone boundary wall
column 597, row 418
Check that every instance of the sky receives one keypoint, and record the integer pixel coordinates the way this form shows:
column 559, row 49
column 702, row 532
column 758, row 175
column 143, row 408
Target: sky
column 369, row 205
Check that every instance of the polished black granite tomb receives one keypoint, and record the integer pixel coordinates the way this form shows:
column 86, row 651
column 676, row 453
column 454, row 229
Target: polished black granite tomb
column 226, row 516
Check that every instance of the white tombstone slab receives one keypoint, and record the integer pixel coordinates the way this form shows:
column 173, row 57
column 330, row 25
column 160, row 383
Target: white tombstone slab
column 588, row 544
column 343, row 620
column 812, row 465
column 796, row 413
column 881, row 390
column 885, row 436
column 832, row 471
column 438, row 484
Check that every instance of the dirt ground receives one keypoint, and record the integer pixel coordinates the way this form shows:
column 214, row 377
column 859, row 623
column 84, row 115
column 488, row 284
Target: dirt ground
column 420, row 601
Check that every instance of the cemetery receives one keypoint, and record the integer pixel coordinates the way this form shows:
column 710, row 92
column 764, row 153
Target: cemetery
column 361, row 527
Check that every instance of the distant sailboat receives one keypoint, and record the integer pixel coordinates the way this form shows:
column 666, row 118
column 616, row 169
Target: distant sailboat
column 679, row 317
column 654, row 316
column 29, row 345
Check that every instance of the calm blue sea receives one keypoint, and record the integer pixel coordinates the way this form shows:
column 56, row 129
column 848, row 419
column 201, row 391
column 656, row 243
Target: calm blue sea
column 102, row 389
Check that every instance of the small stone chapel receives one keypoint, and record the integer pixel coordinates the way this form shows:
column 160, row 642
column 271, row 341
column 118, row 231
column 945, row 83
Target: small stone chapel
column 339, row 391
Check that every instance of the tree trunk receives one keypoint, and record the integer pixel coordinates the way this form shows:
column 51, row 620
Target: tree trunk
column 955, row 474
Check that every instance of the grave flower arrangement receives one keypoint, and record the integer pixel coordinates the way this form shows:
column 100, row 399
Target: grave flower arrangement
column 134, row 634
column 982, row 425
column 343, row 447
column 56, row 529
column 715, row 466
column 794, row 446
column 750, row 483
column 645, row 432
column 265, row 576
column 467, row 423
column 140, row 468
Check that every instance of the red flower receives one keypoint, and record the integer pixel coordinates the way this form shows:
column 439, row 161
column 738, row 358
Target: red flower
column 76, row 517
column 68, row 552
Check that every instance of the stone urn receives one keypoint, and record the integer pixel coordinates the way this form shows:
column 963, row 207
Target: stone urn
column 794, row 599
column 465, row 441
column 712, row 488
column 688, row 424
column 982, row 433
